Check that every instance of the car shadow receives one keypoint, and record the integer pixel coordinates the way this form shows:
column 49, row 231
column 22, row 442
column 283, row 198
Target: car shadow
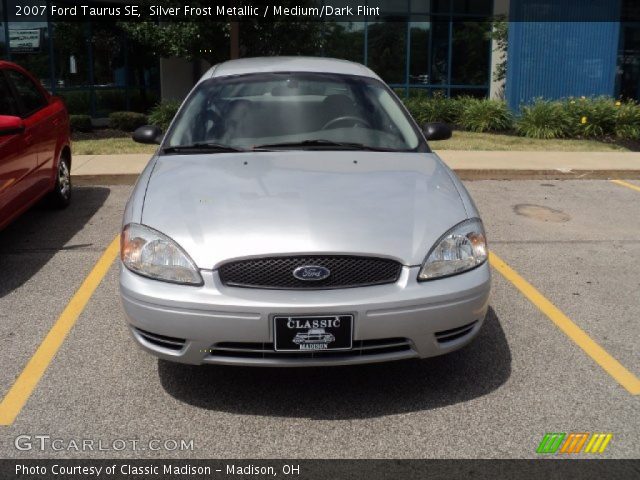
column 350, row 392
column 41, row 232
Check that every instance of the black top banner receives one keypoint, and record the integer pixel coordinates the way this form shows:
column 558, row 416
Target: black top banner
column 322, row 10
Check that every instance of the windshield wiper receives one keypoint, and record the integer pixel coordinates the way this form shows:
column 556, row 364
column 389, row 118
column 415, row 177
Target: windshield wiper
column 202, row 147
column 328, row 144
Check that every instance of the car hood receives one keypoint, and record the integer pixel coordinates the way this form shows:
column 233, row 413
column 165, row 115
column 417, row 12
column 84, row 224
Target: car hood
column 228, row 206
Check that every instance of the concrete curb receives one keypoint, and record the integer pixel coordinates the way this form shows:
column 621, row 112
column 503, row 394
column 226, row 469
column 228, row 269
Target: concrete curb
column 469, row 165
column 504, row 174
column 464, row 174
column 111, row 179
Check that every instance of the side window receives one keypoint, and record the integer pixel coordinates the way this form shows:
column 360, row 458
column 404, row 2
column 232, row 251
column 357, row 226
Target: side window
column 29, row 94
column 8, row 104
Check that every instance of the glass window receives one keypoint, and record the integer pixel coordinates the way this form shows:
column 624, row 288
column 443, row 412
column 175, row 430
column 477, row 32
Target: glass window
column 143, row 77
column 470, row 53
column 628, row 72
column 30, row 96
column 108, row 54
column 387, row 50
column 71, row 54
column 344, row 40
column 483, row 7
column 8, row 105
column 430, row 6
column 274, row 38
column 289, row 108
column 99, row 70
column 439, row 51
column 419, row 34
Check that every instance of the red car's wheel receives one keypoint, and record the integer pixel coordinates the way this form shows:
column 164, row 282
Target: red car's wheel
column 60, row 197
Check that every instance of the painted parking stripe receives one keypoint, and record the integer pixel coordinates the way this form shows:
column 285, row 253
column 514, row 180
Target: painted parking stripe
column 26, row 383
column 626, row 184
column 599, row 355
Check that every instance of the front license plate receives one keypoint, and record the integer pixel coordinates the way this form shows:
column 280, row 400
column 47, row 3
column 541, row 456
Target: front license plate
column 313, row 334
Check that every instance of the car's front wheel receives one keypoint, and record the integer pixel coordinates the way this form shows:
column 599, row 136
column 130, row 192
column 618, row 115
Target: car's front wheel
column 60, row 197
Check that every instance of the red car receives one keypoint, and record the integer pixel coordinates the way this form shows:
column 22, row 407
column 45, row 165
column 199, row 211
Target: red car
column 35, row 148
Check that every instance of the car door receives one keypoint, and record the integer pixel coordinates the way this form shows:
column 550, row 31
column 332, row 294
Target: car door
column 17, row 158
column 41, row 127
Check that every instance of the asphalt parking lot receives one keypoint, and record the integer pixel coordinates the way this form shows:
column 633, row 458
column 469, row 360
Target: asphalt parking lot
column 528, row 373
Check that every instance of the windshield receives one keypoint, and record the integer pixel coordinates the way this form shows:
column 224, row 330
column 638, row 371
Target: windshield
column 293, row 110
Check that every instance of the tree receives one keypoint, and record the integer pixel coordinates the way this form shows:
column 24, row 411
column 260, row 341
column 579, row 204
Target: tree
column 500, row 33
column 209, row 40
column 187, row 39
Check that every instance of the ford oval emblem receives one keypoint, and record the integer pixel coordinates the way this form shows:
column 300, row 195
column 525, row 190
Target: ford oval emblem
column 311, row 273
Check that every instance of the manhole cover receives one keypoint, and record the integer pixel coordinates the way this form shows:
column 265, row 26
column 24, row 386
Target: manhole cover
column 538, row 212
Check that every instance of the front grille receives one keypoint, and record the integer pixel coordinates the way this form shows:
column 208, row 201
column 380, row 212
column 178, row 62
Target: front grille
column 277, row 272
column 455, row 333
column 361, row 348
column 170, row 343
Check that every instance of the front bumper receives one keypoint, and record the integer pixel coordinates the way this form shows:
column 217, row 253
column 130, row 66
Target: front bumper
column 229, row 325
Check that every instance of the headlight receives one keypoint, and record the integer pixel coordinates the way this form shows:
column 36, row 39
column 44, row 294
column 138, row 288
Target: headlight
column 460, row 249
column 148, row 252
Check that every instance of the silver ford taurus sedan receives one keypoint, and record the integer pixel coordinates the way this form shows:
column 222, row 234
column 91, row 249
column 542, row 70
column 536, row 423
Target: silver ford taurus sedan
column 294, row 215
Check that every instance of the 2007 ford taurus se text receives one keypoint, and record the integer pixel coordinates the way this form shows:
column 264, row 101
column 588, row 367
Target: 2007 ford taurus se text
column 294, row 215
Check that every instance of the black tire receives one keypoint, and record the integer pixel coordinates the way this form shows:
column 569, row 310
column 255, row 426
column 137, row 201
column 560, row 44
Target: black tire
column 60, row 197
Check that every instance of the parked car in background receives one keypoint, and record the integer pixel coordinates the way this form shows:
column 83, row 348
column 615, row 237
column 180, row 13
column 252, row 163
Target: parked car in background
column 294, row 215
column 35, row 146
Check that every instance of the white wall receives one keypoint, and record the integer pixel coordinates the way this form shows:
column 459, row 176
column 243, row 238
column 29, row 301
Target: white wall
column 496, row 90
column 178, row 76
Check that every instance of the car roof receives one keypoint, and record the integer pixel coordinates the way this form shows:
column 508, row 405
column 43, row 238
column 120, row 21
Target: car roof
column 6, row 63
column 288, row 64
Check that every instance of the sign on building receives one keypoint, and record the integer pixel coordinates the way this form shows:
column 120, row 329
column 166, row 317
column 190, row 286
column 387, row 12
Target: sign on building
column 24, row 40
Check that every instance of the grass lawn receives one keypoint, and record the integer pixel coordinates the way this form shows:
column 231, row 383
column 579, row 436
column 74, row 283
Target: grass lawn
column 490, row 141
column 119, row 142
column 110, row 146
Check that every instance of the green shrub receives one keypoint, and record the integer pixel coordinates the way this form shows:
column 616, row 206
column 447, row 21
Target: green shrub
column 417, row 109
column 127, row 121
column 475, row 114
column 80, row 123
column 627, row 123
column 162, row 114
column 481, row 115
column 591, row 117
column 436, row 108
column 544, row 119
column 571, row 118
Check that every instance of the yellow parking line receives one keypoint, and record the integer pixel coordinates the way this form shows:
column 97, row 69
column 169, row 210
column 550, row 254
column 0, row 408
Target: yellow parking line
column 26, row 383
column 627, row 184
column 610, row 365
